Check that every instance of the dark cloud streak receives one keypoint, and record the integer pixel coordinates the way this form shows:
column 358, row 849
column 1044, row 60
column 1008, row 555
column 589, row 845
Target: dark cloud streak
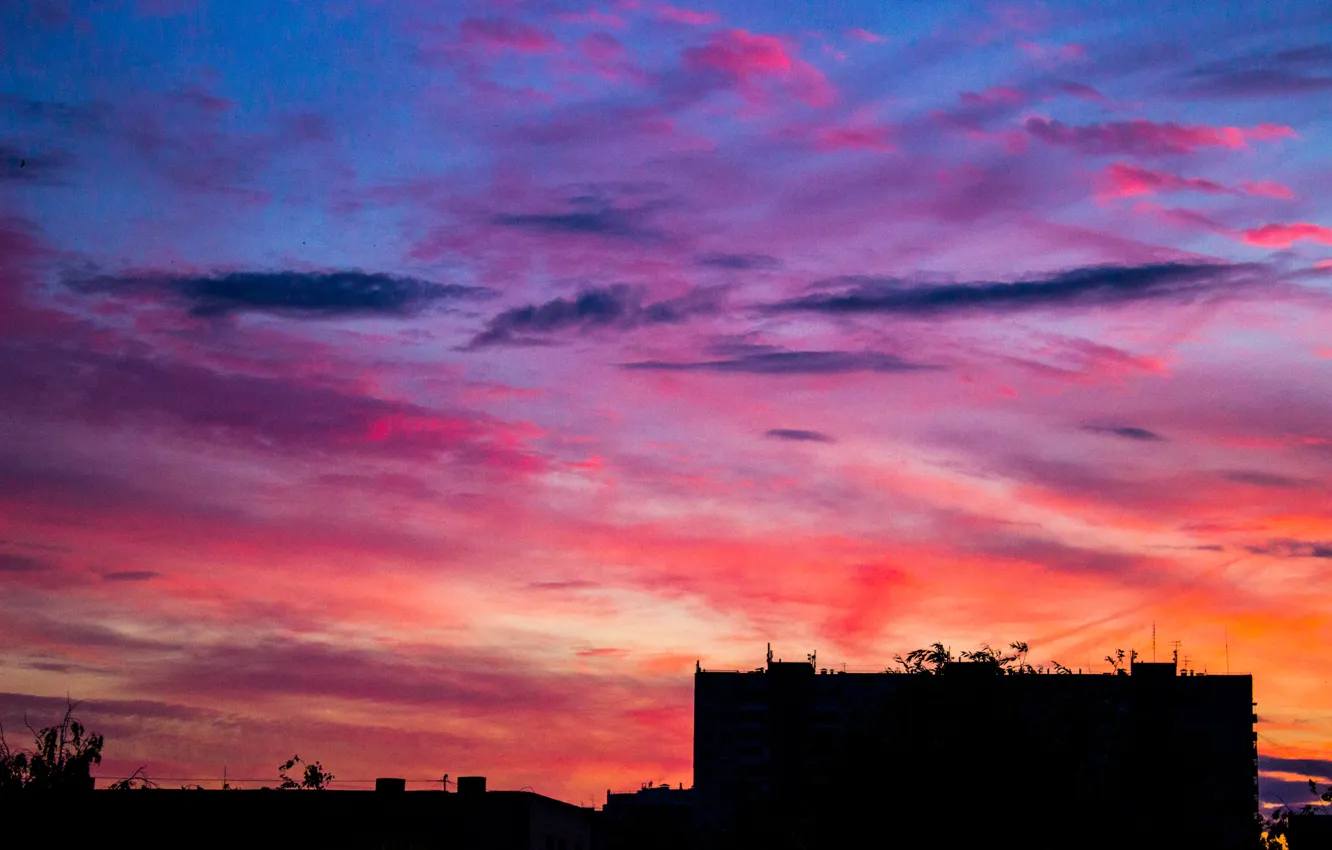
column 791, row 363
column 22, row 564
column 588, row 215
column 1076, row 288
column 22, row 166
column 1266, row 479
column 1294, row 549
column 319, row 295
column 1128, row 432
column 619, row 307
column 1302, row 70
column 799, row 435
column 740, row 262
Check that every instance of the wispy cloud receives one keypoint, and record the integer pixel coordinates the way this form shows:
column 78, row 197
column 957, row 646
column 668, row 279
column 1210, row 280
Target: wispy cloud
column 1293, row 71
column 740, row 262
column 35, row 166
column 1069, row 290
column 799, row 435
column 131, row 575
column 10, row 563
column 1267, row 479
column 590, row 217
column 1128, row 432
column 1294, row 549
column 316, row 295
column 791, row 363
column 1141, row 137
column 1285, row 235
column 620, row 307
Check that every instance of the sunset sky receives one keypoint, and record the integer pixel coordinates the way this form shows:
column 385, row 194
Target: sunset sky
column 423, row 387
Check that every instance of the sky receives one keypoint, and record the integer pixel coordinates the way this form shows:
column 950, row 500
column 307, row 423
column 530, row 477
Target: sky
column 426, row 387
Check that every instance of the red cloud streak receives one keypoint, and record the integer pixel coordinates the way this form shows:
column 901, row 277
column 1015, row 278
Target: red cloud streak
column 1285, row 235
column 1141, row 137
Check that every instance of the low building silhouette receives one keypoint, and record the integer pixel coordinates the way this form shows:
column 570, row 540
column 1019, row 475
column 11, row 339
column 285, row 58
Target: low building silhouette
column 791, row 756
column 655, row 817
column 1309, row 832
column 388, row 818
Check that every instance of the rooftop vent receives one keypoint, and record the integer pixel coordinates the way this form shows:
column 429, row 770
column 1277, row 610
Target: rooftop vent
column 471, row 785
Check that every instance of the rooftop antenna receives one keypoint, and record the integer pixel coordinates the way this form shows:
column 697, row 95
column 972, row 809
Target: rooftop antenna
column 770, row 652
column 1175, row 656
column 1227, row 652
column 1153, row 641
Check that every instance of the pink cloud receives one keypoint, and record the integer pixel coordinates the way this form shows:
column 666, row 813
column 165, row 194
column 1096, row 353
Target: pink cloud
column 1122, row 180
column 1053, row 53
column 1270, row 132
column 865, row 35
column 692, row 17
column 1323, row 264
column 1141, row 137
column 1268, row 189
column 856, row 137
column 750, row 59
column 496, row 34
column 1127, row 181
column 1285, row 235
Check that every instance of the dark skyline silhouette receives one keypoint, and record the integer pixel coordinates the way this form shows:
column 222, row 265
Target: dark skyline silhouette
column 941, row 749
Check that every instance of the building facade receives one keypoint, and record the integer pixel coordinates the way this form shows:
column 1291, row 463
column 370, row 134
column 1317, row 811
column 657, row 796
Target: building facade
column 788, row 755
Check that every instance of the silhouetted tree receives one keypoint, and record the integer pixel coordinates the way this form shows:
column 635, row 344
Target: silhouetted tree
column 937, row 656
column 1273, row 830
column 930, row 660
column 61, row 759
column 134, row 781
column 313, row 778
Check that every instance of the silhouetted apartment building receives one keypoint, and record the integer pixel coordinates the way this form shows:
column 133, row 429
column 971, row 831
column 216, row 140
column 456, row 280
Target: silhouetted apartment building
column 791, row 756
